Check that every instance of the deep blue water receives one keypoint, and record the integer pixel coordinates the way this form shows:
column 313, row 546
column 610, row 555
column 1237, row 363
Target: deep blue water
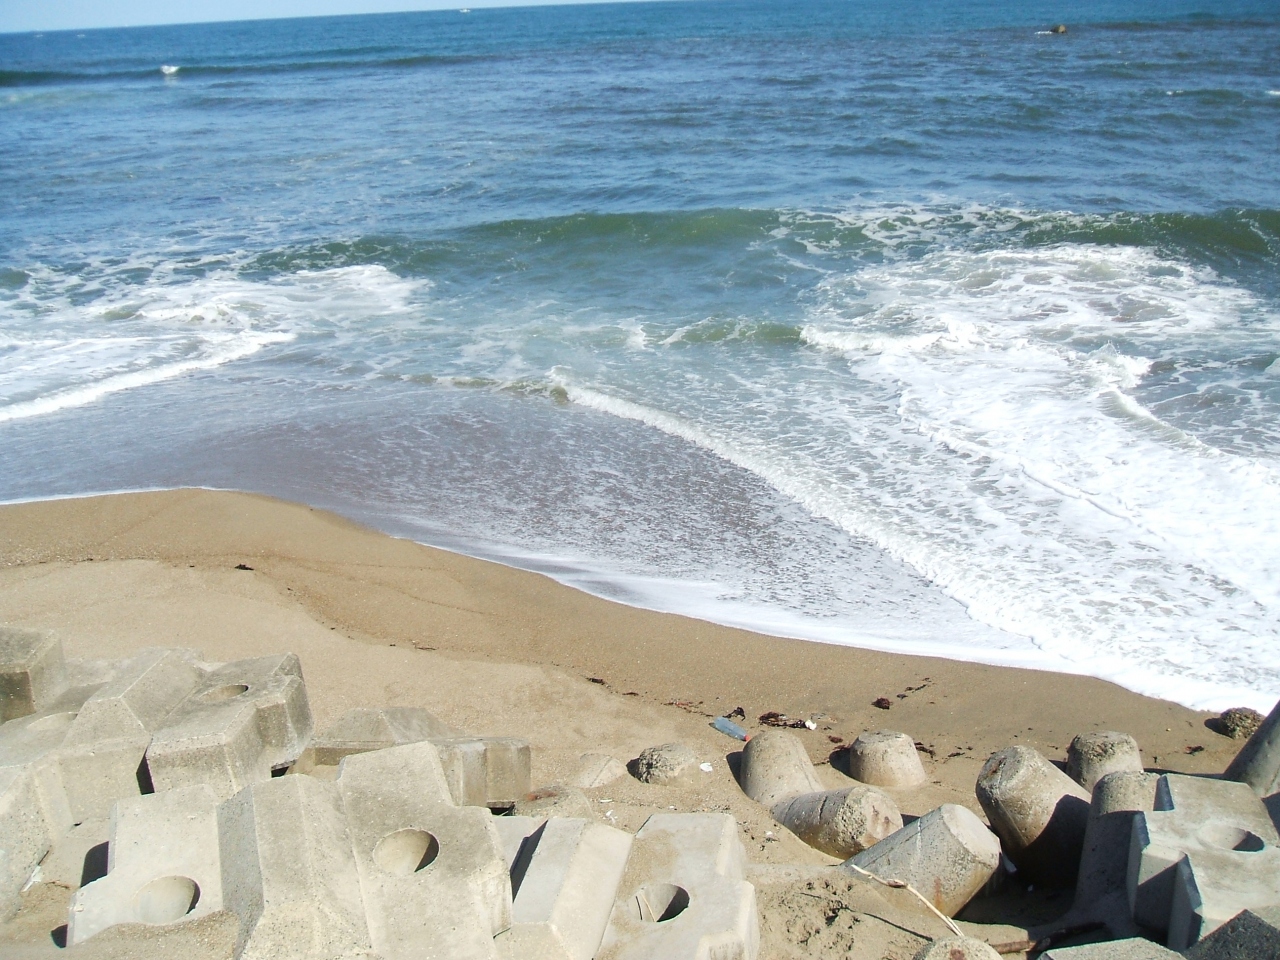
column 910, row 325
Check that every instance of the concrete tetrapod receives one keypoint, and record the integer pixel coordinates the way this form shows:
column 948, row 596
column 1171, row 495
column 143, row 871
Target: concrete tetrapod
column 886, row 758
column 776, row 771
column 1039, row 813
column 1092, row 756
column 485, row 771
column 26, row 832
column 432, row 875
column 1225, row 828
column 948, row 855
column 243, row 719
column 32, row 671
column 1258, row 762
column 366, row 728
column 565, row 878
column 683, row 896
column 1250, row 935
column 288, row 872
column 1134, row 948
column 163, row 864
column 957, row 948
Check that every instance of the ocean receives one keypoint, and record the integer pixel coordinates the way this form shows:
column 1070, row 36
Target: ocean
column 912, row 326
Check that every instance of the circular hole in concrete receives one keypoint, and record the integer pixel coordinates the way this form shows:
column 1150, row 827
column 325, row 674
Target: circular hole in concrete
column 1229, row 837
column 225, row 692
column 166, row 900
column 406, row 851
column 55, row 721
column 659, row 902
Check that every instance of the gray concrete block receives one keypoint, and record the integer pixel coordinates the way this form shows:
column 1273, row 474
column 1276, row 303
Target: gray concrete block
column 513, row 831
column 432, row 875
column 100, row 757
column 1135, row 948
column 840, row 823
column 32, row 671
column 25, row 831
column 1092, row 756
column 564, row 881
column 957, row 948
column 948, row 855
column 670, row 764
column 555, row 800
column 289, row 873
column 1191, row 815
column 886, row 758
column 375, row 728
column 776, row 767
column 683, row 896
column 1250, row 935
column 1258, row 762
column 79, row 856
column 485, row 771
column 163, row 865
column 1211, row 886
column 1039, row 813
column 243, row 719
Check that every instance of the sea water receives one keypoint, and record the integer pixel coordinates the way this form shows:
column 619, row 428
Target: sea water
column 911, row 326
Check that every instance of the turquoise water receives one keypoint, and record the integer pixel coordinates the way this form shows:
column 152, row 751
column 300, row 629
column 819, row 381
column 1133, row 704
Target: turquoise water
column 911, row 326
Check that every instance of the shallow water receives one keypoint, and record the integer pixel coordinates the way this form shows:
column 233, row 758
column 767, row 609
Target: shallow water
column 908, row 327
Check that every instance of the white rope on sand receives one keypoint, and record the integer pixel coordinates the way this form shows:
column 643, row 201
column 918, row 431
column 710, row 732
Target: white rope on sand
column 903, row 885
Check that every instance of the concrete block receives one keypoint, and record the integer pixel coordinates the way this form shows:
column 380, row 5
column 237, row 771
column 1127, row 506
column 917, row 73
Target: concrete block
column 163, row 865
column 25, row 831
column 555, row 800
column 776, row 767
column 598, row 770
column 79, row 856
column 564, row 880
column 1135, row 948
column 485, row 771
column 1250, row 935
column 365, row 729
column 100, row 759
column 683, row 896
column 289, row 873
column 1038, row 812
column 1092, row 756
column 957, row 948
column 32, row 671
column 886, row 758
column 1212, row 886
column 671, row 764
column 1101, row 892
column 840, row 823
column 432, row 875
column 242, row 720
column 948, row 855
column 513, row 831
column 1212, row 818
column 1258, row 762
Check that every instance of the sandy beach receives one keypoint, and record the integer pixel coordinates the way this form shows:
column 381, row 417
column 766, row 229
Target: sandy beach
column 380, row 621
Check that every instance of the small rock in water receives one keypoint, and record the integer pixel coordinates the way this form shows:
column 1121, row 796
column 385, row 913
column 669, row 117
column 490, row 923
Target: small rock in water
column 668, row 763
column 1239, row 723
column 1060, row 28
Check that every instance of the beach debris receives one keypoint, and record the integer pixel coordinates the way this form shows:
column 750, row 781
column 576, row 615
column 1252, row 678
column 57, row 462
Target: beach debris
column 777, row 773
column 1039, row 813
column 1258, row 762
column 729, row 728
column 948, row 855
column 882, row 703
column 705, row 767
column 737, row 713
column 1238, row 723
column 242, row 566
column 775, row 719
column 598, row 770
column 886, row 758
column 1208, row 850
column 554, row 800
column 690, row 866
column 669, row 763
column 957, row 948
column 1194, row 749
column 831, row 737
column 1092, row 756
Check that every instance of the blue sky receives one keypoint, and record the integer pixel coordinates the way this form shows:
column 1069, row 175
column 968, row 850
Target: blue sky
column 18, row 15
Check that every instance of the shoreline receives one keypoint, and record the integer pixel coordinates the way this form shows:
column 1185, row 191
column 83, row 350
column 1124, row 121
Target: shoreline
column 767, row 621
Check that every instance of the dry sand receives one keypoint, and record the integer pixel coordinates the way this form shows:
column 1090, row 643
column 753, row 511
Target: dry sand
column 493, row 650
